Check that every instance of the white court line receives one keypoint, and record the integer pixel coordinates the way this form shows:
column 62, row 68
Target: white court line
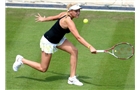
column 65, row 9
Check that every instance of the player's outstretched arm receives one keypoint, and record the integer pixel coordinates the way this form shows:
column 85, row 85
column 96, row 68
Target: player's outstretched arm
column 40, row 18
column 76, row 34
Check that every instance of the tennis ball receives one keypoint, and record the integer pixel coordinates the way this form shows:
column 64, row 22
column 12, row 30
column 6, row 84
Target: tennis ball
column 85, row 21
column 115, row 50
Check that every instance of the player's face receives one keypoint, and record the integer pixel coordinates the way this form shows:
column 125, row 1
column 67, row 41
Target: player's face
column 76, row 13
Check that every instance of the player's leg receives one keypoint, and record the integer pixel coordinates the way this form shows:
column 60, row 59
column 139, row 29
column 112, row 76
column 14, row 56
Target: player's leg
column 72, row 50
column 42, row 66
column 46, row 54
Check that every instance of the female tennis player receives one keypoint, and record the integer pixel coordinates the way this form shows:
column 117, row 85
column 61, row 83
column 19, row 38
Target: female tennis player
column 55, row 39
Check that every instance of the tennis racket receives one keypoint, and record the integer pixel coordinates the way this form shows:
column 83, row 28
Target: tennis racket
column 121, row 51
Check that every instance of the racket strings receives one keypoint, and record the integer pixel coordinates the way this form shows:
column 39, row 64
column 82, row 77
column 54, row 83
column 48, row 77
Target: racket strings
column 123, row 51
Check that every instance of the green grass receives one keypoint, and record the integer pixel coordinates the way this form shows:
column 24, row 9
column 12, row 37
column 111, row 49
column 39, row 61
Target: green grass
column 97, row 72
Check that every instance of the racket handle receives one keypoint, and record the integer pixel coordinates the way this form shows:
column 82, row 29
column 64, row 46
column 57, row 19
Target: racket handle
column 100, row 50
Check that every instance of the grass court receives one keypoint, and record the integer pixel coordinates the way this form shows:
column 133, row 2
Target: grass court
column 97, row 72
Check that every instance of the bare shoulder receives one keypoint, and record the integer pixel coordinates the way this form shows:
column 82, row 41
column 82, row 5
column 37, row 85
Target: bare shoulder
column 62, row 14
column 68, row 19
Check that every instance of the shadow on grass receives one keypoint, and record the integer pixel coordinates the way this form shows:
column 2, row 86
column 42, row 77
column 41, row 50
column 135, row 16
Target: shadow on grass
column 55, row 77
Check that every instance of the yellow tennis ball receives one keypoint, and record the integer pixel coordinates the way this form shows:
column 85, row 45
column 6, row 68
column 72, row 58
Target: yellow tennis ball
column 115, row 50
column 85, row 21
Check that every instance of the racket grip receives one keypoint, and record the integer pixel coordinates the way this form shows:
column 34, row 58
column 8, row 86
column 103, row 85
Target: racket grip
column 100, row 50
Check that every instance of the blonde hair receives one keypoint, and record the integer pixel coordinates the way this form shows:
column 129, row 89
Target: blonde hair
column 68, row 6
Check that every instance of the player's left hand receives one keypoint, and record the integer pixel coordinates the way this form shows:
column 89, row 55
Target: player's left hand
column 39, row 18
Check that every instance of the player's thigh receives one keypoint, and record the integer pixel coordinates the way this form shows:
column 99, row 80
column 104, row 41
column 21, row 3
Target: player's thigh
column 45, row 59
column 68, row 47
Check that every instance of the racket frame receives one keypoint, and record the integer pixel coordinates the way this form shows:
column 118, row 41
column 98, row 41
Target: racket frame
column 111, row 51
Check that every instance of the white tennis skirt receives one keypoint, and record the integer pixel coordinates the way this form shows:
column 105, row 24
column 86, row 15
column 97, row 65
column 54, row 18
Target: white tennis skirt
column 49, row 47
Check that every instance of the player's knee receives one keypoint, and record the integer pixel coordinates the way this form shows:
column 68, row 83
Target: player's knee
column 44, row 70
column 74, row 50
